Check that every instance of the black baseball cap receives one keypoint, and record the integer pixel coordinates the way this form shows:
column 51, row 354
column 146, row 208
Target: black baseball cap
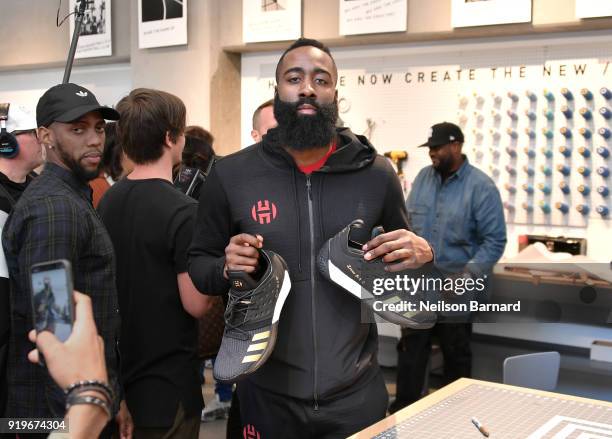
column 68, row 102
column 443, row 133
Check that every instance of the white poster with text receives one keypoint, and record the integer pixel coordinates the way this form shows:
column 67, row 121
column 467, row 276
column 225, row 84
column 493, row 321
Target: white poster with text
column 593, row 8
column 467, row 13
column 162, row 23
column 271, row 20
column 95, row 38
column 372, row 16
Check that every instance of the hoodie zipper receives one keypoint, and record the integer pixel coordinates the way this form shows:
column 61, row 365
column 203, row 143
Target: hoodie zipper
column 312, row 295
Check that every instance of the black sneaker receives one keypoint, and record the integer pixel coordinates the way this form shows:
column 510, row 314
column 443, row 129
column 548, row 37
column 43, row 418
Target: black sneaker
column 251, row 318
column 341, row 261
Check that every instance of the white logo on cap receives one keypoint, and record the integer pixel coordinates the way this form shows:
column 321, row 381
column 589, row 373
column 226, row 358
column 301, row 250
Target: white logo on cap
column 430, row 132
column 451, row 137
column 81, row 94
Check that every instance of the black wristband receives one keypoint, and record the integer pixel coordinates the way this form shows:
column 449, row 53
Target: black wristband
column 88, row 388
column 87, row 399
column 91, row 385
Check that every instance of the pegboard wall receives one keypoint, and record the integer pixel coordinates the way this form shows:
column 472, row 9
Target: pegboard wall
column 545, row 145
column 536, row 114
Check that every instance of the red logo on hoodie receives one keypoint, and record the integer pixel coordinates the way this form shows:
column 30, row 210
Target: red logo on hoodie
column 264, row 212
column 249, row 432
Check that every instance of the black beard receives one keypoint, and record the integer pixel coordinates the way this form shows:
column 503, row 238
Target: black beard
column 79, row 171
column 303, row 132
column 444, row 166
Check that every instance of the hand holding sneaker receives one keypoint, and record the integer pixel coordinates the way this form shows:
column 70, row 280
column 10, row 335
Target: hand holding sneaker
column 241, row 254
column 251, row 318
column 404, row 248
column 342, row 261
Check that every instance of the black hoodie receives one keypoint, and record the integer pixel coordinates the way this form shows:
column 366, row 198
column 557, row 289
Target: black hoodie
column 323, row 348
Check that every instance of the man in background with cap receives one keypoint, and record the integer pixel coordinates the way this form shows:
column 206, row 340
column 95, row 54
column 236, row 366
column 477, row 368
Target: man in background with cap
column 16, row 164
column 54, row 219
column 458, row 210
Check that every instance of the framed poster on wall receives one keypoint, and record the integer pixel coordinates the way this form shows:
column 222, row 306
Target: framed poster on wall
column 271, row 20
column 162, row 23
column 487, row 12
column 95, row 38
column 372, row 16
column 593, row 8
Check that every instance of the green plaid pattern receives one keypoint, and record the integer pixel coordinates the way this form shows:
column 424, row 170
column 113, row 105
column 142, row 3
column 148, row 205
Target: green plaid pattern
column 54, row 219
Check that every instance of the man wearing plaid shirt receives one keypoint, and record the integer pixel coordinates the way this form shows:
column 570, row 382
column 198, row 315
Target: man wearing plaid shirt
column 54, row 219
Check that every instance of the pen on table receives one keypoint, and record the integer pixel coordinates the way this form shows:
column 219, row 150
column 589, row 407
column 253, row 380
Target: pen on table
column 481, row 428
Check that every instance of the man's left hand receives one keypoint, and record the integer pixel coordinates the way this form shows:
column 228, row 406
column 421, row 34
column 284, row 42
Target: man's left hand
column 124, row 421
column 400, row 249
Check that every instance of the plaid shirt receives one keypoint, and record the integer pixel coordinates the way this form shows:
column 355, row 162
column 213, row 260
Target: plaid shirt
column 54, row 219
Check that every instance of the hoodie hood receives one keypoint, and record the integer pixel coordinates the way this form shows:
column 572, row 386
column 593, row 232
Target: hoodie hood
column 353, row 152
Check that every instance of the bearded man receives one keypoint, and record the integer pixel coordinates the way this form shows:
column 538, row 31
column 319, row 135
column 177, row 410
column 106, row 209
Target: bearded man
column 54, row 219
column 303, row 183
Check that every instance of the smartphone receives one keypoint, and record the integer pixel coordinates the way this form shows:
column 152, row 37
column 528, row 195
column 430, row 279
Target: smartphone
column 52, row 297
column 188, row 179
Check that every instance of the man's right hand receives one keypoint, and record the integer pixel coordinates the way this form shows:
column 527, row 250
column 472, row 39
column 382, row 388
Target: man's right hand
column 241, row 253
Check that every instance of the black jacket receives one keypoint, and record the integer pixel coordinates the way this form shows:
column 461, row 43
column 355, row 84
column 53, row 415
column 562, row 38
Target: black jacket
column 323, row 348
column 9, row 194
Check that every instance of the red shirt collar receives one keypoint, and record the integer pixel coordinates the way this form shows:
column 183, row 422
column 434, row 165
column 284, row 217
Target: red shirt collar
column 309, row 169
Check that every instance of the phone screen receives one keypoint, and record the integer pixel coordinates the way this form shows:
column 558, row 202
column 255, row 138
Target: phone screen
column 187, row 179
column 52, row 298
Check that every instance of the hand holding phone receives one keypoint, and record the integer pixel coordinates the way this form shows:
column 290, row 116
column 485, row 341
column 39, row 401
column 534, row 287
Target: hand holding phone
column 52, row 299
column 81, row 357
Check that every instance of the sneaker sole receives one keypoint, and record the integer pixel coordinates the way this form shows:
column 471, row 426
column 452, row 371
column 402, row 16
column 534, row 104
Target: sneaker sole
column 280, row 302
column 215, row 415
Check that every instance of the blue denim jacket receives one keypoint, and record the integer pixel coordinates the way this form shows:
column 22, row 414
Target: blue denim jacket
column 462, row 218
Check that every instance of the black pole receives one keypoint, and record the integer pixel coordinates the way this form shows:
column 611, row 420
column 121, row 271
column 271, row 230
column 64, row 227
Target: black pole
column 78, row 21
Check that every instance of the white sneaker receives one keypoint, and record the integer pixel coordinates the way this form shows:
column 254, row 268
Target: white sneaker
column 216, row 409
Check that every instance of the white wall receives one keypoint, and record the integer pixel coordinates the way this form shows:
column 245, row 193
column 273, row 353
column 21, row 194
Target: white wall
column 185, row 70
column 108, row 82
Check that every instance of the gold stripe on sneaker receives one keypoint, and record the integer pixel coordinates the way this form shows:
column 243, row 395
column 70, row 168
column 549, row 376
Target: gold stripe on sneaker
column 393, row 299
column 257, row 347
column 261, row 335
column 251, row 358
